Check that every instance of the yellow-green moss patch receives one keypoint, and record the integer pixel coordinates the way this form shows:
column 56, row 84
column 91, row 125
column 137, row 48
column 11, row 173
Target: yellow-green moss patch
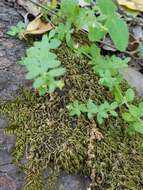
column 47, row 136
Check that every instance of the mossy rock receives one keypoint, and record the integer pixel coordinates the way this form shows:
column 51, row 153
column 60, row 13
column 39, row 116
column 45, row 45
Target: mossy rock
column 48, row 136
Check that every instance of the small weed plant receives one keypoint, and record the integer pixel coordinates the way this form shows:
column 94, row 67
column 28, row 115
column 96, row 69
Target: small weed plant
column 17, row 30
column 45, row 69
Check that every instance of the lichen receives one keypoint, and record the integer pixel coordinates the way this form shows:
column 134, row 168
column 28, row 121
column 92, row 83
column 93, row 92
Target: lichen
column 47, row 136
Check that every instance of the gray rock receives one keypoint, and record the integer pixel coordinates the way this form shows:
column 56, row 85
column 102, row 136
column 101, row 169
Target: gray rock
column 134, row 79
column 3, row 122
column 138, row 32
column 7, row 183
column 72, row 182
column 7, row 142
column 5, row 158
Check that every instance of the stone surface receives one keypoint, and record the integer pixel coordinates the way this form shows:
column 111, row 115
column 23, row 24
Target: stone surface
column 11, row 50
column 12, row 76
column 7, row 183
column 3, row 122
column 7, row 142
column 135, row 79
column 5, row 158
column 72, row 182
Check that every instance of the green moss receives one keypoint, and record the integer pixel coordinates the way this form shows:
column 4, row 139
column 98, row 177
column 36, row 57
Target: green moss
column 47, row 136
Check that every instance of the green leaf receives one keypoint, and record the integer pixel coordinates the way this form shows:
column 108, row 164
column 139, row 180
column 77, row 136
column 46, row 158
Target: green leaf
column 141, row 109
column 34, row 71
column 38, row 82
column 118, row 31
column 17, row 30
column 42, row 91
column 134, row 111
column 57, row 72
column 54, row 43
column 43, row 66
column 113, row 113
column 138, row 126
column 130, row 95
column 52, row 33
column 76, row 108
column 113, row 105
column 70, row 9
column 92, row 109
column 127, row 117
column 52, row 85
column 107, row 7
column 96, row 33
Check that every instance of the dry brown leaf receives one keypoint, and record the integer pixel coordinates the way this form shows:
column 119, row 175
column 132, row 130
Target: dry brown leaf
column 132, row 4
column 37, row 26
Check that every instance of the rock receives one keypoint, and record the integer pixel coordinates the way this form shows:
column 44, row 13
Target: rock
column 12, row 74
column 138, row 32
column 72, row 182
column 134, row 79
column 7, row 142
column 7, row 183
column 3, row 122
column 5, row 158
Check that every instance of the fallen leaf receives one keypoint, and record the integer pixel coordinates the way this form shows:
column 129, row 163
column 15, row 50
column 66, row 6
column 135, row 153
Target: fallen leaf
column 132, row 4
column 37, row 26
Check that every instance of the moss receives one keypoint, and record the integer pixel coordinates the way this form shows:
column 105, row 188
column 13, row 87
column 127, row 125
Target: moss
column 47, row 136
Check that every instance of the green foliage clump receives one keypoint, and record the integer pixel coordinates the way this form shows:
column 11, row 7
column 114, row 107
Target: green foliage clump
column 43, row 66
column 102, row 111
column 49, row 137
column 17, row 30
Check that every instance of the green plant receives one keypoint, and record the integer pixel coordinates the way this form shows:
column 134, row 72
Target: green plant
column 102, row 19
column 43, row 66
column 17, row 30
column 134, row 118
column 102, row 111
